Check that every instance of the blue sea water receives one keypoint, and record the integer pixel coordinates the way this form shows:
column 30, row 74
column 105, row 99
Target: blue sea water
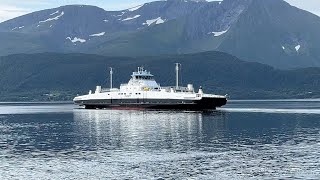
column 243, row 140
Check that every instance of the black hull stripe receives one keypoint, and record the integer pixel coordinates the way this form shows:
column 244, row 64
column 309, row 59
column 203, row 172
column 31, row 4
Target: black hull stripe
column 204, row 103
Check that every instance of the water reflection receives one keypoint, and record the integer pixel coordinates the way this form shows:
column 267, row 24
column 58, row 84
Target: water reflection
column 147, row 129
column 187, row 131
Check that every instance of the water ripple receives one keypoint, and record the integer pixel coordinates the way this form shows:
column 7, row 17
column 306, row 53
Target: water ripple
column 232, row 143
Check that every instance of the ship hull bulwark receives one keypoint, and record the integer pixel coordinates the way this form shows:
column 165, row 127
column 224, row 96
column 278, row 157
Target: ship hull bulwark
column 203, row 104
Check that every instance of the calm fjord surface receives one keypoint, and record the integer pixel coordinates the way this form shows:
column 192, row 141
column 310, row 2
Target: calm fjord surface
column 256, row 139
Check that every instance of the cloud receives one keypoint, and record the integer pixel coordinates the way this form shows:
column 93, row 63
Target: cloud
column 120, row 6
column 309, row 5
column 9, row 12
column 13, row 8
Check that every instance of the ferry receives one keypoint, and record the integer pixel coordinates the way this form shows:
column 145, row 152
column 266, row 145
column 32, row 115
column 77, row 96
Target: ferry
column 143, row 92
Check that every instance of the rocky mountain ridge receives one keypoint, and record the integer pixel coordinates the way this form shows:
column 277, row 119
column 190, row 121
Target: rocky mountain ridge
column 270, row 32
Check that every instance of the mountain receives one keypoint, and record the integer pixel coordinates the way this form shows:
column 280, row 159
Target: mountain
column 273, row 32
column 53, row 76
column 266, row 31
column 75, row 28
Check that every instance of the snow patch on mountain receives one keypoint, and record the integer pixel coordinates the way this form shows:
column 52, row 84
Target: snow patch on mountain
column 283, row 47
column 131, row 18
column 197, row 1
column 119, row 15
column 17, row 28
column 54, row 13
column 53, row 19
column 158, row 20
column 136, row 8
column 76, row 39
column 297, row 48
column 97, row 34
column 105, row 20
column 216, row 34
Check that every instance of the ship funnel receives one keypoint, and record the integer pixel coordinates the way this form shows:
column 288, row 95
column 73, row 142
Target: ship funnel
column 200, row 90
column 98, row 90
column 190, row 88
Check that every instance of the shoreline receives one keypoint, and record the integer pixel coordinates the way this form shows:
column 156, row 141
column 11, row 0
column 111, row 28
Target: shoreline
column 230, row 100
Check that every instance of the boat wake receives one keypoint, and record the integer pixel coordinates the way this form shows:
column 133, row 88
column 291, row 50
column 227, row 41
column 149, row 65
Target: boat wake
column 272, row 110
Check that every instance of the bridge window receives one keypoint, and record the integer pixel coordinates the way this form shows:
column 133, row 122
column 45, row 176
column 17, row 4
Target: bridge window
column 143, row 77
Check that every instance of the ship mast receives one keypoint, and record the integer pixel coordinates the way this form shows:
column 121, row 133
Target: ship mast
column 111, row 73
column 177, row 74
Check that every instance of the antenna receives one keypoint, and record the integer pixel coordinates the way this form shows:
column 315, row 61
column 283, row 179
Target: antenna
column 111, row 73
column 177, row 74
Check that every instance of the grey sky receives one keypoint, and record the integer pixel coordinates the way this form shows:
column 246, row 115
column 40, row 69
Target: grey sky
column 13, row 8
column 309, row 5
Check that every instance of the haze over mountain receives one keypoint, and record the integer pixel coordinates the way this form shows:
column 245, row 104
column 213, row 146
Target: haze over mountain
column 267, row 31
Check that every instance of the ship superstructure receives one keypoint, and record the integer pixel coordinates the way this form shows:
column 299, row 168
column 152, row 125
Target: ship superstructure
column 142, row 91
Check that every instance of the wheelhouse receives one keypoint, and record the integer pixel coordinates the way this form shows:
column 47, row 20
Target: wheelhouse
column 142, row 74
